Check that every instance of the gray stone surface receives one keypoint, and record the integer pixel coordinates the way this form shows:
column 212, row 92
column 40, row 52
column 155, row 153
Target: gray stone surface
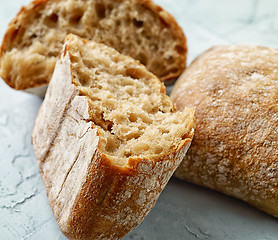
column 183, row 211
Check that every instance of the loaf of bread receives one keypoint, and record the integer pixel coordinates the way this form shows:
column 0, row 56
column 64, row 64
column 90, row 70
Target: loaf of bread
column 137, row 28
column 235, row 146
column 107, row 139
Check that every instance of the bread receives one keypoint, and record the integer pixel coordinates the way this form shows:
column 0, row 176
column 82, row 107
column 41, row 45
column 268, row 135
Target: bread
column 138, row 28
column 235, row 146
column 107, row 139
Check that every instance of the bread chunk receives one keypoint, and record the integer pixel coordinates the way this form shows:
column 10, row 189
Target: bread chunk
column 235, row 146
column 107, row 139
column 137, row 28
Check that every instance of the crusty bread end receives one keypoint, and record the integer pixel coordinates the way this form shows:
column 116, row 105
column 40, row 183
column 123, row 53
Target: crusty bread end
column 107, row 139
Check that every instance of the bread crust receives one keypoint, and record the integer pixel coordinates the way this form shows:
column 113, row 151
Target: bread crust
column 90, row 196
column 235, row 147
column 30, row 79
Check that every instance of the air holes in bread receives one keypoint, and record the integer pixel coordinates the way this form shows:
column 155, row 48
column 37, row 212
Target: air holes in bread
column 132, row 117
column 134, row 73
column 100, row 10
column 143, row 58
column 76, row 16
column 138, row 23
column 51, row 20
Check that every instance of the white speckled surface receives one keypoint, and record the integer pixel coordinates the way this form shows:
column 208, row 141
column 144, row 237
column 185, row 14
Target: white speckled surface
column 183, row 211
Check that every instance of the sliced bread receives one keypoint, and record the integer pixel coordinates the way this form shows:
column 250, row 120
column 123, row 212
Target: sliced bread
column 107, row 139
column 137, row 28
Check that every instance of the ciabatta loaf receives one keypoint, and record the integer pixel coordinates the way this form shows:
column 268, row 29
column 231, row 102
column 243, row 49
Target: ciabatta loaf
column 235, row 147
column 107, row 139
column 138, row 28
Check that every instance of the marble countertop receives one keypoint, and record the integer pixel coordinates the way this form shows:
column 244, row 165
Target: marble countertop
column 183, row 211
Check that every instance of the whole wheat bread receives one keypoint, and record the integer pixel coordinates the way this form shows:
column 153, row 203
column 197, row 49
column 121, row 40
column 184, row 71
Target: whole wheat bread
column 107, row 139
column 138, row 28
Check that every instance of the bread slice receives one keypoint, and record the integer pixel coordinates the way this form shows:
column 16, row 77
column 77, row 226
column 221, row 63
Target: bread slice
column 138, row 28
column 107, row 139
column 235, row 147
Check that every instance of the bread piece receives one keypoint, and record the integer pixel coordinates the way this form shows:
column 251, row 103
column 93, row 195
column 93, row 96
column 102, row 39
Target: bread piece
column 138, row 28
column 235, row 147
column 107, row 139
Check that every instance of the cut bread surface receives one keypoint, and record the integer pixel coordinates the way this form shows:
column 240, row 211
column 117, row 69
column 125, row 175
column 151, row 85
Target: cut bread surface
column 136, row 28
column 107, row 139
column 126, row 102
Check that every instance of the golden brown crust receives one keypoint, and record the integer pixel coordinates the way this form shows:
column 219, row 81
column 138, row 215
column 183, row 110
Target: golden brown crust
column 111, row 187
column 91, row 197
column 235, row 147
column 170, row 21
column 14, row 27
column 29, row 80
column 15, row 24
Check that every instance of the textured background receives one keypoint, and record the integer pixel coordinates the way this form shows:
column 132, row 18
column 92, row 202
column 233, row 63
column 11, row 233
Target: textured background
column 183, row 211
